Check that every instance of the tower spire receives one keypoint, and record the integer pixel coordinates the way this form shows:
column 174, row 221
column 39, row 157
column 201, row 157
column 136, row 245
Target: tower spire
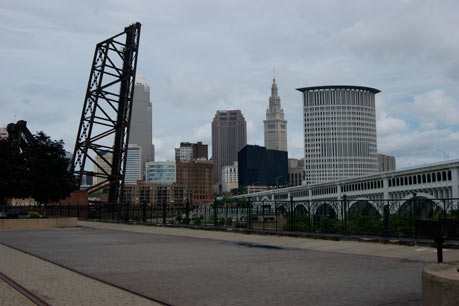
column 274, row 89
column 275, row 124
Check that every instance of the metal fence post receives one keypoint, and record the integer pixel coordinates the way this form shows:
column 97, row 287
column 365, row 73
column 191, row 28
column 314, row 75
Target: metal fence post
column 444, row 208
column 187, row 208
column 275, row 214
column 126, row 213
column 263, row 213
column 144, row 212
column 291, row 213
column 215, row 213
column 249, row 211
column 226, row 217
column 413, row 212
column 100, row 210
column 345, row 216
column 78, row 210
column 386, row 220
column 164, row 211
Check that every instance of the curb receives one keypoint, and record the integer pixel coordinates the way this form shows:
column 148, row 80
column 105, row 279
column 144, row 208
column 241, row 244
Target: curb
column 334, row 237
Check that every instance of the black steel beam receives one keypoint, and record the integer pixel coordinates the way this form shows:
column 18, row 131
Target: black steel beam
column 106, row 115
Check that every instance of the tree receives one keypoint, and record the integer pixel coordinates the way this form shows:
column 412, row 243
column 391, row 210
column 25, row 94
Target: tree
column 14, row 181
column 40, row 171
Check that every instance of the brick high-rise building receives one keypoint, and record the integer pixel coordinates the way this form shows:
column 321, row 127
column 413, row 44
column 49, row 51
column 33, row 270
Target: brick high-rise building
column 153, row 194
column 229, row 135
column 200, row 151
column 196, row 179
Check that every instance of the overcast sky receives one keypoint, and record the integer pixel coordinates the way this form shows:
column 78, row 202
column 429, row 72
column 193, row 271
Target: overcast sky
column 203, row 56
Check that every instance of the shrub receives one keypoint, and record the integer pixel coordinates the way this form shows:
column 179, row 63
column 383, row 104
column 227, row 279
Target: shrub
column 34, row 214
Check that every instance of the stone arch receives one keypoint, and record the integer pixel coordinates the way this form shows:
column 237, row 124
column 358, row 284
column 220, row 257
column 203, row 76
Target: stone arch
column 420, row 207
column 364, row 207
column 281, row 210
column 265, row 198
column 325, row 210
column 363, row 199
column 300, row 208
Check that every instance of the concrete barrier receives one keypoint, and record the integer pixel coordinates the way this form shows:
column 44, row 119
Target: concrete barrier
column 36, row 224
column 440, row 284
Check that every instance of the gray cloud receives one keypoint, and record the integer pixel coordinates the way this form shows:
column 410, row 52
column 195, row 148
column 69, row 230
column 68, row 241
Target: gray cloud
column 202, row 56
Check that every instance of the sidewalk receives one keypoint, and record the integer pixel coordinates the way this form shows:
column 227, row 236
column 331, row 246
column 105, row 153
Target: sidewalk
column 348, row 247
column 56, row 285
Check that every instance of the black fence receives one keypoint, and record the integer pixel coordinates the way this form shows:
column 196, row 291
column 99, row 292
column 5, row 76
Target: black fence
column 388, row 218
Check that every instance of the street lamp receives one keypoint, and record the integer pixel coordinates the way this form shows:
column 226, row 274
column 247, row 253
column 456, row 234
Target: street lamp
column 277, row 181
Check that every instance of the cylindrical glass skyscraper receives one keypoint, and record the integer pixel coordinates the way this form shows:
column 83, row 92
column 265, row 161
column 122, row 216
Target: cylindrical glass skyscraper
column 339, row 132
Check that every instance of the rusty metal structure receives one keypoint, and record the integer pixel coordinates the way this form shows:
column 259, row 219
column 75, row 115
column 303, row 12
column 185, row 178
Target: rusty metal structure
column 19, row 135
column 106, row 115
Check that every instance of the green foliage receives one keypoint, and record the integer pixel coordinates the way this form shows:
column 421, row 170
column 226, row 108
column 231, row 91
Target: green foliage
column 365, row 224
column 229, row 222
column 300, row 223
column 39, row 171
column 179, row 218
column 14, row 182
column 34, row 214
column 197, row 221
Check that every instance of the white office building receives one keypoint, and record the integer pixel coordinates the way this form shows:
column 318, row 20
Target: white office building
column 184, row 153
column 230, row 177
column 134, row 169
column 161, row 172
column 339, row 132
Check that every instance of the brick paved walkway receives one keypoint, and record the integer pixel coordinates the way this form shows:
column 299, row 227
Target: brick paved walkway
column 56, row 285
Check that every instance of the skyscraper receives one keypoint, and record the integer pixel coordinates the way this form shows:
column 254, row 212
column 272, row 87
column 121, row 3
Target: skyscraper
column 134, row 169
column 229, row 135
column 261, row 167
column 339, row 132
column 275, row 125
column 141, row 120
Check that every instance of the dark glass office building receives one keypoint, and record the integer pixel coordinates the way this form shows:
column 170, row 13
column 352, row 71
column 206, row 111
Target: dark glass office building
column 260, row 167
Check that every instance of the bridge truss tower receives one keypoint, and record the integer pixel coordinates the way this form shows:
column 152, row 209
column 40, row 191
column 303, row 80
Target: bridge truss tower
column 103, row 133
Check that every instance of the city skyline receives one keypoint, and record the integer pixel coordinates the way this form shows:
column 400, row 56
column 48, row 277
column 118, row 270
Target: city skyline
column 406, row 49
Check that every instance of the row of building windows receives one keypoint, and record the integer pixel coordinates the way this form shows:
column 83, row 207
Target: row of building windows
column 281, row 196
column 421, row 178
column 362, row 186
column 359, row 165
column 324, row 190
column 339, row 96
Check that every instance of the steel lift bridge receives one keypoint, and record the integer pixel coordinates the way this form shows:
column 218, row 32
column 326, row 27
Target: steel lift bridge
column 106, row 116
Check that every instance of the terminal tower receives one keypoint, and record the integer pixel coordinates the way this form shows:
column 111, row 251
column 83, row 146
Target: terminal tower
column 275, row 125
